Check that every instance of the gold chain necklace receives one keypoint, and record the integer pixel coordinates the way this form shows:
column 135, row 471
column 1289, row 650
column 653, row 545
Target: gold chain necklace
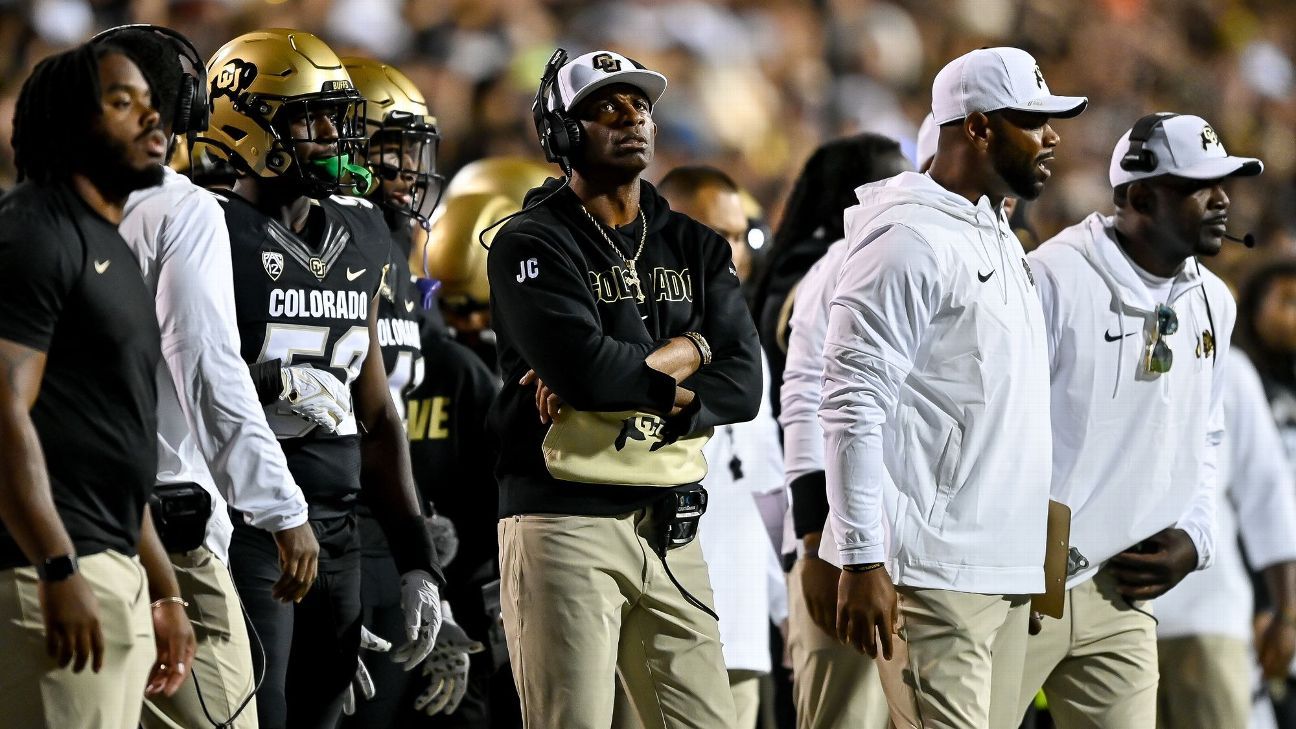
column 632, row 273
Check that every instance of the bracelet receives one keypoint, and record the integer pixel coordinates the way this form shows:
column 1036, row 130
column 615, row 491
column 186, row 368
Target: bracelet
column 703, row 348
column 163, row 601
column 865, row 567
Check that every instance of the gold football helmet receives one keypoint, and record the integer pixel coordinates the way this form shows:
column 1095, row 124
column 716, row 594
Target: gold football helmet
column 259, row 84
column 511, row 177
column 403, row 139
column 482, row 193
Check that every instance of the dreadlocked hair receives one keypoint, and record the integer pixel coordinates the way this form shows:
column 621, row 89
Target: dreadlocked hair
column 56, row 108
column 826, row 187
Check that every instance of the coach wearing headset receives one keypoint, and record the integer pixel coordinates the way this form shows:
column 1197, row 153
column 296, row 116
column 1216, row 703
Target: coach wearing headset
column 1138, row 337
column 623, row 339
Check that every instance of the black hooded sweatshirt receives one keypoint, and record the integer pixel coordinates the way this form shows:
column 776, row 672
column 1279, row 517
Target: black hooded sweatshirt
column 561, row 305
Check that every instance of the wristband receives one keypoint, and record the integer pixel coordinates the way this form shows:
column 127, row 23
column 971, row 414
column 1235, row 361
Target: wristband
column 163, row 601
column 865, row 567
column 702, row 346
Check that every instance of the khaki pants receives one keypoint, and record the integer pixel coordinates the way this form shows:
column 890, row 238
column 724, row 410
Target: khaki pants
column 223, row 663
column 834, row 685
column 586, row 598
column 37, row 694
column 1205, row 682
column 958, row 663
column 745, row 688
column 1098, row 664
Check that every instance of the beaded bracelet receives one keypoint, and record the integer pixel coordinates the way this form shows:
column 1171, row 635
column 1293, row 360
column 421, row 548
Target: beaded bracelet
column 162, row 601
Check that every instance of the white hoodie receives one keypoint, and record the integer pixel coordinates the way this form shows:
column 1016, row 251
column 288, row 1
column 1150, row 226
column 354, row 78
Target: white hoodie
column 936, row 372
column 1133, row 453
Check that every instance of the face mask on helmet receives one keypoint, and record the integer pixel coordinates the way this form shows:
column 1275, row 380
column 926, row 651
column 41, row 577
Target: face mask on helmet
column 402, row 155
column 319, row 138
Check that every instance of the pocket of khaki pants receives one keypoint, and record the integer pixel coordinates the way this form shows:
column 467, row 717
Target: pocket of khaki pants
column 208, row 608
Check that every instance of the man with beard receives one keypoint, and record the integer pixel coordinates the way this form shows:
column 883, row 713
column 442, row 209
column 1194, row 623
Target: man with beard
column 623, row 339
column 211, row 431
column 78, row 409
column 1138, row 338
column 308, row 268
column 936, row 348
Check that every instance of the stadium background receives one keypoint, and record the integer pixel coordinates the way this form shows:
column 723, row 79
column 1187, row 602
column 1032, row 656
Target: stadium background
column 756, row 85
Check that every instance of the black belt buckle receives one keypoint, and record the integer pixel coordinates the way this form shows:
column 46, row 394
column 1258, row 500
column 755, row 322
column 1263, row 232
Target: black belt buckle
column 685, row 509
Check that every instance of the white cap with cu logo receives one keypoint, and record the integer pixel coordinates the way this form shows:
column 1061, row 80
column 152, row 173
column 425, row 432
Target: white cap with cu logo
column 585, row 74
column 991, row 79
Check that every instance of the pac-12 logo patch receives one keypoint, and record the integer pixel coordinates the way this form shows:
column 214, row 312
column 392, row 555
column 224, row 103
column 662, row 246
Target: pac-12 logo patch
column 273, row 263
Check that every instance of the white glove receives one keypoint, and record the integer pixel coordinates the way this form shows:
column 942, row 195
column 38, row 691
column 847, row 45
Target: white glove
column 421, row 604
column 362, row 680
column 447, row 668
column 315, row 395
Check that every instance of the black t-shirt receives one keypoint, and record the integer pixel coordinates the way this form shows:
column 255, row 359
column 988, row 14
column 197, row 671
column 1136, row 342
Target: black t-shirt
column 304, row 299
column 70, row 287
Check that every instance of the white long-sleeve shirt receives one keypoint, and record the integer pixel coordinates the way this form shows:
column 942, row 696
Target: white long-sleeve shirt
column 803, row 440
column 1133, row 452
column 742, row 462
column 1257, row 502
column 211, row 427
column 936, row 372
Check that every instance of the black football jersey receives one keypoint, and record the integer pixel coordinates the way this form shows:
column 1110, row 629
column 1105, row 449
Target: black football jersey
column 304, row 299
column 399, row 325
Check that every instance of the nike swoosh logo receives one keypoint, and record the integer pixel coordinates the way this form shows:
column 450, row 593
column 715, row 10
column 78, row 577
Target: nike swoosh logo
column 409, row 305
column 985, row 276
column 353, row 275
column 1108, row 336
column 101, row 266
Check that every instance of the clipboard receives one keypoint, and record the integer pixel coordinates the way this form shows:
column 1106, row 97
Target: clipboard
column 1053, row 600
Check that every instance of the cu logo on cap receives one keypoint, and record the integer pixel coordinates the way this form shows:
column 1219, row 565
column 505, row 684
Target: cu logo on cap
column 606, row 63
column 1209, row 137
column 1039, row 77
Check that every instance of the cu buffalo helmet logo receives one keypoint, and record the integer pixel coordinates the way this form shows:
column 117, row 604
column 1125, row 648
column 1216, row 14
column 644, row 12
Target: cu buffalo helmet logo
column 233, row 80
column 606, row 63
column 1209, row 137
column 1039, row 77
column 273, row 263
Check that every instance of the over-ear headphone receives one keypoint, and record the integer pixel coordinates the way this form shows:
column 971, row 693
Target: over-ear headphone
column 560, row 134
column 1138, row 158
column 191, row 112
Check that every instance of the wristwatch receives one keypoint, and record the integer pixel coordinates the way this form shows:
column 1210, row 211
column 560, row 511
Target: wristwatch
column 57, row 569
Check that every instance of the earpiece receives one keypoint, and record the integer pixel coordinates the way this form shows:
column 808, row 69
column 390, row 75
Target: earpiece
column 1138, row 158
column 560, row 135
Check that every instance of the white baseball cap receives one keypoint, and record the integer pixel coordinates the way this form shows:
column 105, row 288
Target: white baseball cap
column 585, row 74
column 1182, row 145
column 990, row 79
column 928, row 136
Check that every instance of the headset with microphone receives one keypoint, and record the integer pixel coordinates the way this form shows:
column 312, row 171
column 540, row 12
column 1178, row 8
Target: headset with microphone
column 191, row 112
column 561, row 135
column 1139, row 158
